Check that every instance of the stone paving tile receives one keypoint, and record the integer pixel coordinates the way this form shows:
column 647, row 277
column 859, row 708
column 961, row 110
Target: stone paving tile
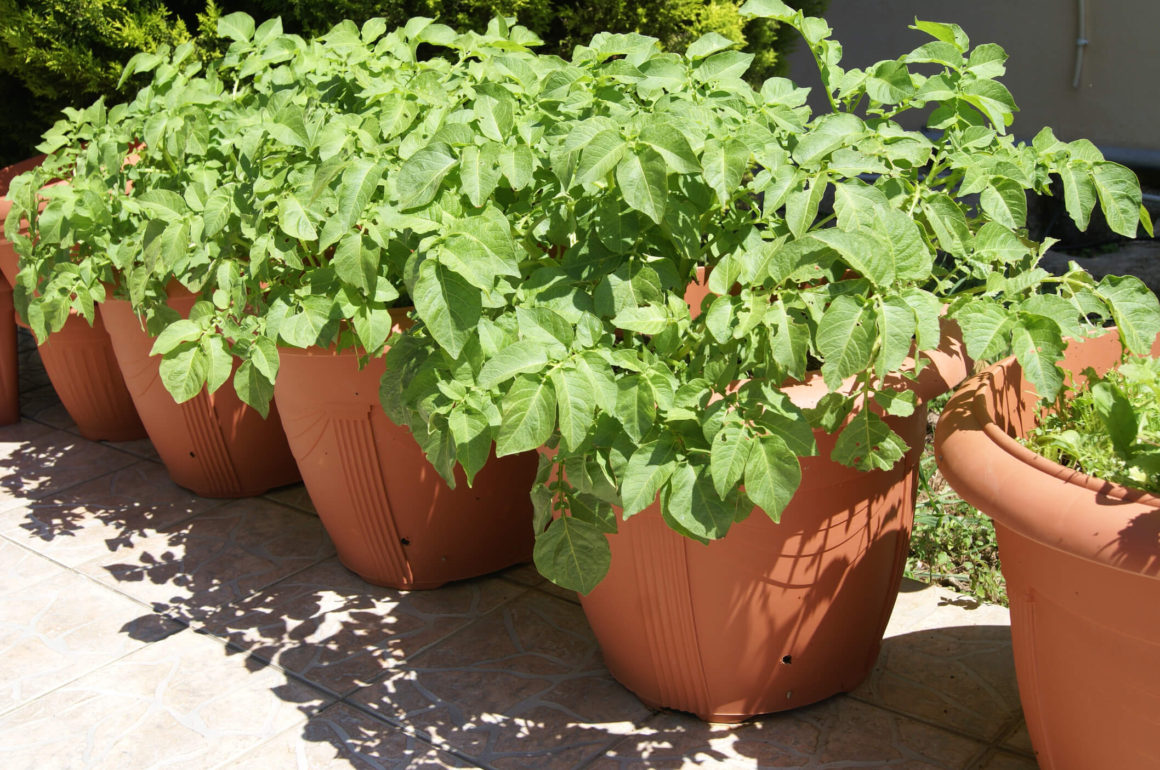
column 339, row 632
column 295, row 496
column 953, row 668
column 46, row 408
column 20, row 568
column 217, row 557
column 1019, row 741
column 108, row 514
column 36, row 461
column 142, row 448
column 56, row 630
column 522, row 687
column 32, row 374
column 179, row 703
column 344, row 737
column 1002, row 760
column 840, row 732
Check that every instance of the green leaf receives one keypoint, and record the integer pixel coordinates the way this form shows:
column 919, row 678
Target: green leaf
column 472, row 436
column 219, row 362
column 649, row 468
column 449, row 305
column 517, row 164
column 772, row 476
column 708, row 44
column 253, row 387
column 1120, row 198
column 728, row 457
column 293, row 220
column 948, row 33
column 418, row 179
column 996, row 242
column 987, row 61
column 1006, row 202
column 861, row 252
column 358, row 185
column 867, row 443
column 1038, row 344
column 949, row 224
column 828, row 133
column 644, row 183
column 600, row 156
column 479, row 172
column 901, row 242
column 174, row 335
column 517, row 358
column 694, row 505
column 648, row 319
column 672, row 145
column 1116, row 413
column 575, row 404
column 855, row 203
column 985, row 329
column 801, row 207
column 889, row 82
column 635, row 406
column 236, row 26
column 1135, row 310
column 899, row 403
column 573, row 554
column 992, row 99
column 495, row 117
column 766, row 9
column 529, row 412
column 845, row 339
column 896, row 328
column 723, row 165
column 723, row 66
column 183, row 372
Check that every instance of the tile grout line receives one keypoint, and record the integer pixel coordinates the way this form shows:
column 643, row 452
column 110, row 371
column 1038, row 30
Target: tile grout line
column 921, row 720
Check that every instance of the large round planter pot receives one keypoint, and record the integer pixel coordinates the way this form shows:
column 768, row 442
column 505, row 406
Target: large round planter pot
column 213, row 444
column 393, row 520
column 1081, row 557
column 9, row 363
column 78, row 359
column 772, row 616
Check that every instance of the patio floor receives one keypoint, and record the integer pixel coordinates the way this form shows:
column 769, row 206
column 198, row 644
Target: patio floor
column 142, row 626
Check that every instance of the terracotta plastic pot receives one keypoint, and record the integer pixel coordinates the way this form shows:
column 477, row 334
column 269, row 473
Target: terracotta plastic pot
column 9, row 362
column 213, row 444
column 1081, row 557
column 772, row 616
column 393, row 520
column 78, row 359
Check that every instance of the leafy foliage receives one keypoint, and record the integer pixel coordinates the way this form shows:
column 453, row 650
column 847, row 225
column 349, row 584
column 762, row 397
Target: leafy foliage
column 545, row 217
column 1108, row 428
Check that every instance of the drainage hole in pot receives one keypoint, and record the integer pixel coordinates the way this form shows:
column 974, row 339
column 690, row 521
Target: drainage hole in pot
column 191, row 454
column 787, row 659
column 404, row 541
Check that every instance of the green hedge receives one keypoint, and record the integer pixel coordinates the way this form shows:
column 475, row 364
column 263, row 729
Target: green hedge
column 58, row 53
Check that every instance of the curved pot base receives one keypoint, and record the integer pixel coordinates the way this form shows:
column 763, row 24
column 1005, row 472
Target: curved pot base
column 771, row 617
column 214, row 444
column 393, row 520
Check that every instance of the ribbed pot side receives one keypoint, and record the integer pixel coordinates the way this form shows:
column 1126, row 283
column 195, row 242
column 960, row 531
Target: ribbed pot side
column 772, row 616
column 1081, row 557
column 213, row 444
column 393, row 520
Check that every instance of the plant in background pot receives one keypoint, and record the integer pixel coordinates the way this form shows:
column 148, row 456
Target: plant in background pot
column 840, row 252
column 272, row 184
column 1079, row 541
column 78, row 359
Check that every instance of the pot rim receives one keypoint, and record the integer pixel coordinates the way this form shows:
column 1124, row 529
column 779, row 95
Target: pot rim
column 1056, row 506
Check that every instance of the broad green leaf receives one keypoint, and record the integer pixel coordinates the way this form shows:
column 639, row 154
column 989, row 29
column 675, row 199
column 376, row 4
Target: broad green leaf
column 649, row 468
column 418, row 179
column 529, row 415
column 600, row 156
column 517, row 164
column 987, row 61
column 355, row 191
column 889, row 82
column 236, row 26
column 828, row 133
column 1135, row 310
column 575, row 405
column 1120, row 198
column 861, row 252
column 599, row 380
column 996, row 242
column 573, row 554
column 1117, row 415
column 495, row 117
column 174, row 335
column 636, row 406
column 896, row 328
column 708, row 44
column 867, row 443
column 253, row 387
column 845, row 339
column 899, row 403
column 728, row 457
column 1038, row 344
column 648, row 319
column 772, row 475
column 644, row 183
column 854, row 203
column 723, row 66
column 985, row 330
column 766, row 9
column 948, row 33
column 293, row 220
column 183, row 372
column 992, row 99
column 723, row 164
column 219, row 363
column 789, row 340
column 1006, row 202
column 448, row 304
column 949, row 224
column 479, row 172
column 801, row 207
column 692, row 502
column 900, row 240
column 719, row 318
column 517, row 358
column 471, row 433
column 672, row 145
